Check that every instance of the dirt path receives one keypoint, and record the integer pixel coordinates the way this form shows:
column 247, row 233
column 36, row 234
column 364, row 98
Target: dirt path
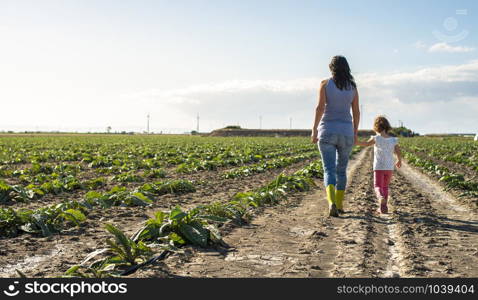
column 423, row 236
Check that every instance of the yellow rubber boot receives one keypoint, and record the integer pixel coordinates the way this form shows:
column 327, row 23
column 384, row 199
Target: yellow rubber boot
column 339, row 199
column 330, row 189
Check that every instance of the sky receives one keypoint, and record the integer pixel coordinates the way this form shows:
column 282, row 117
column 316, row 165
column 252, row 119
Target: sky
column 85, row 65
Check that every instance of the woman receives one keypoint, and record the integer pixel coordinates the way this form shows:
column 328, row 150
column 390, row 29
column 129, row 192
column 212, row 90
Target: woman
column 337, row 130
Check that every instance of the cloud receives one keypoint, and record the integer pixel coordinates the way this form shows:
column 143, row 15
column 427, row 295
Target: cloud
column 246, row 99
column 433, row 99
column 419, row 45
column 467, row 72
column 444, row 47
column 419, row 98
column 441, row 116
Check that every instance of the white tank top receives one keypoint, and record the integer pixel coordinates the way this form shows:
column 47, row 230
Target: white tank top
column 383, row 153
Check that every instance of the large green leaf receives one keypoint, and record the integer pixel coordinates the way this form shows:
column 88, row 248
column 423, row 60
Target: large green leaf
column 194, row 235
column 139, row 199
column 122, row 245
column 5, row 190
column 177, row 214
column 176, row 238
column 40, row 220
column 74, row 216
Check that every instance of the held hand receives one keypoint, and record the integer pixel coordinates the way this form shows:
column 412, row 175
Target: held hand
column 398, row 164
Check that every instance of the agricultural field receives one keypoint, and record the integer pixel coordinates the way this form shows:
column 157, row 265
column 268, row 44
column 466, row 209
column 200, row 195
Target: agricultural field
column 452, row 161
column 191, row 206
column 60, row 192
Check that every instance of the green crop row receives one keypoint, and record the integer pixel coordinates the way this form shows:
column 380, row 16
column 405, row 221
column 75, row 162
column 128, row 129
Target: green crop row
column 191, row 165
column 450, row 179
column 459, row 151
column 12, row 221
column 268, row 165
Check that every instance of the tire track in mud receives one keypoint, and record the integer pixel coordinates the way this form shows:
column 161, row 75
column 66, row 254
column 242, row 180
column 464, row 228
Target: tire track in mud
column 355, row 235
column 426, row 233
column 442, row 231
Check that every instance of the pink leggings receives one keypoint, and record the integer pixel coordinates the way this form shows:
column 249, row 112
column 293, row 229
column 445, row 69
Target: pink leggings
column 381, row 180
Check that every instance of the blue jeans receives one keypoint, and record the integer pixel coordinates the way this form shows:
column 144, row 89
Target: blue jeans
column 335, row 150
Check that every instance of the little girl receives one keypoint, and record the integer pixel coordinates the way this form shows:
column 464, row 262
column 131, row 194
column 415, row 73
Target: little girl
column 383, row 162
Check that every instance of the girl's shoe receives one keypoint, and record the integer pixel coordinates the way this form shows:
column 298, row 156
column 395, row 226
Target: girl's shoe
column 333, row 211
column 384, row 208
column 341, row 211
column 383, row 205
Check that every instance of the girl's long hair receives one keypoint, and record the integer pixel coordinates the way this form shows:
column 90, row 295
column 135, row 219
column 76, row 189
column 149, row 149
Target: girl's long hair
column 339, row 67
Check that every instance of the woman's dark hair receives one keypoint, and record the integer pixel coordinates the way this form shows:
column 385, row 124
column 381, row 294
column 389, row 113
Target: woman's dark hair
column 381, row 124
column 339, row 67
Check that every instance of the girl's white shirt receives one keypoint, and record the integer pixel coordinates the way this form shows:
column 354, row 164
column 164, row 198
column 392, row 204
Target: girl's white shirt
column 383, row 152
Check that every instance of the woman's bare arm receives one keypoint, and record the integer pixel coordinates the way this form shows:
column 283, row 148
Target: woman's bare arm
column 356, row 114
column 319, row 111
column 370, row 142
